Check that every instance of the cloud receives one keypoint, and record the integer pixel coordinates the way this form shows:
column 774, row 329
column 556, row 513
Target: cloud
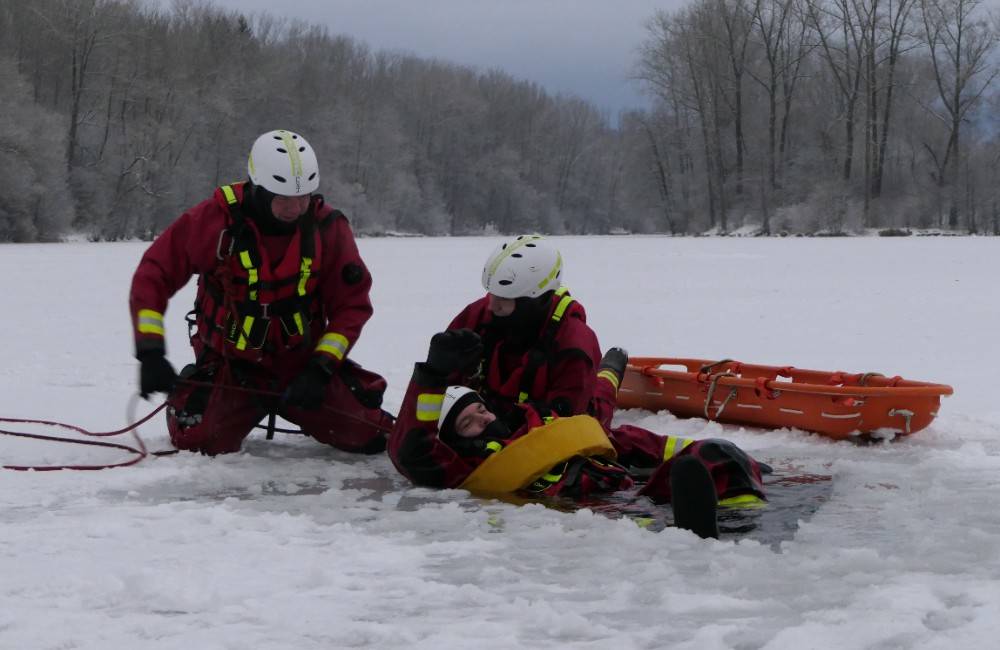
column 581, row 47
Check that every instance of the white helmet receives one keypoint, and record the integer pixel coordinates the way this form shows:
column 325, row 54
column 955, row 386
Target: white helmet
column 456, row 398
column 524, row 267
column 283, row 163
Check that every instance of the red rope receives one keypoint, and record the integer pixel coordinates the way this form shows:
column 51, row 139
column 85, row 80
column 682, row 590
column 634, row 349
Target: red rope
column 140, row 452
column 271, row 393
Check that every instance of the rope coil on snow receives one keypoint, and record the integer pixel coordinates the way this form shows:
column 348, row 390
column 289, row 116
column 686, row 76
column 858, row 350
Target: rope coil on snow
column 139, row 450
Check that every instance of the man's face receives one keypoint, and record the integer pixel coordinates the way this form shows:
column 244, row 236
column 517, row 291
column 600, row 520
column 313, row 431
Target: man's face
column 502, row 306
column 473, row 419
column 290, row 208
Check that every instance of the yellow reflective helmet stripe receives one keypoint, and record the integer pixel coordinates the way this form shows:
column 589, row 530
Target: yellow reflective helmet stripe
column 510, row 249
column 227, row 191
column 293, row 153
column 429, row 406
column 150, row 322
column 333, row 344
column 553, row 273
column 611, row 376
column 674, row 446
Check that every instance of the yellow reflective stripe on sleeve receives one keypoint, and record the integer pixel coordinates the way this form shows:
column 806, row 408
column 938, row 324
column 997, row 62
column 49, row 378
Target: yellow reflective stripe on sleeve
column 227, row 191
column 298, row 322
column 304, row 272
column 333, row 344
column 553, row 273
column 494, row 446
column 429, row 406
column 611, row 376
column 743, row 501
column 552, row 478
column 522, row 397
column 674, row 446
column 241, row 343
column 149, row 322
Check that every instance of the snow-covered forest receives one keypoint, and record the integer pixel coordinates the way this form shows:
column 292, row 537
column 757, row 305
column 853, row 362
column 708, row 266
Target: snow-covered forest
column 768, row 116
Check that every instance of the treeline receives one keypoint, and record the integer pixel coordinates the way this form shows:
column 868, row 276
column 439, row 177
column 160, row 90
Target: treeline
column 778, row 116
column 826, row 115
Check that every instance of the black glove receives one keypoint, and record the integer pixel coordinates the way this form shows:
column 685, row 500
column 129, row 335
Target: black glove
column 308, row 389
column 156, row 375
column 453, row 351
column 616, row 360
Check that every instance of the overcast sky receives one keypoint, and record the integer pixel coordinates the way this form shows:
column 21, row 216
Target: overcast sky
column 583, row 47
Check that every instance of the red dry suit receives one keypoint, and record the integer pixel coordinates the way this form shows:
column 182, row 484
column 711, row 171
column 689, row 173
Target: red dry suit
column 558, row 370
column 419, row 453
column 265, row 305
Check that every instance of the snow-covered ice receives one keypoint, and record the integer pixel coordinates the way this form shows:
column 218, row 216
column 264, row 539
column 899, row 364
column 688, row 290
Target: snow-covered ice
column 291, row 544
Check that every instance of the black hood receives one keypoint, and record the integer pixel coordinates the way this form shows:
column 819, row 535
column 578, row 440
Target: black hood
column 525, row 324
column 257, row 204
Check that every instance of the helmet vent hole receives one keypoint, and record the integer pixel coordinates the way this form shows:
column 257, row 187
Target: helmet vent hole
column 277, row 137
column 530, row 245
column 280, row 150
column 280, row 179
column 516, row 255
column 295, row 136
column 504, row 247
column 506, row 282
column 302, row 149
column 558, row 273
column 312, row 175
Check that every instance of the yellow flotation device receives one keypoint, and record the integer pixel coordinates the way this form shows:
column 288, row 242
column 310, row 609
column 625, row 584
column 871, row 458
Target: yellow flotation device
column 521, row 462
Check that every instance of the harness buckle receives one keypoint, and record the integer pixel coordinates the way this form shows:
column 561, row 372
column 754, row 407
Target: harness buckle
column 218, row 245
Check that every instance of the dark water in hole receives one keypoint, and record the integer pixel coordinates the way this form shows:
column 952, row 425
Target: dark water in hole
column 793, row 496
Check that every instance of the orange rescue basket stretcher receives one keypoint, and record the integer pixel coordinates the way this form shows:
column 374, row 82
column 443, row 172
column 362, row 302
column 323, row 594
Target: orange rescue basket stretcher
column 835, row 404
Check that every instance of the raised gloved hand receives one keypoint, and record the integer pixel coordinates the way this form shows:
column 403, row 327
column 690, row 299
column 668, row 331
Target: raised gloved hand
column 453, row 351
column 615, row 360
column 156, row 375
column 307, row 390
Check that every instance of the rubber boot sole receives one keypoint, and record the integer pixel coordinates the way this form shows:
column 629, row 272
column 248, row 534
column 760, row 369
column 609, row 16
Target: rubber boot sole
column 692, row 497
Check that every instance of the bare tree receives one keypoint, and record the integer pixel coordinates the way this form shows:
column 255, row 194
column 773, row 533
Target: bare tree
column 960, row 43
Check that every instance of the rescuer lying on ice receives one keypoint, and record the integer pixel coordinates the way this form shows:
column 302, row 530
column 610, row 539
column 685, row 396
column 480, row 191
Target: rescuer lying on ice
column 448, row 437
column 282, row 297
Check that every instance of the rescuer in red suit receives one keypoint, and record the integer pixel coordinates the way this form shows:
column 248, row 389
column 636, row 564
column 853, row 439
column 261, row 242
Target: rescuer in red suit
column 283, row 295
